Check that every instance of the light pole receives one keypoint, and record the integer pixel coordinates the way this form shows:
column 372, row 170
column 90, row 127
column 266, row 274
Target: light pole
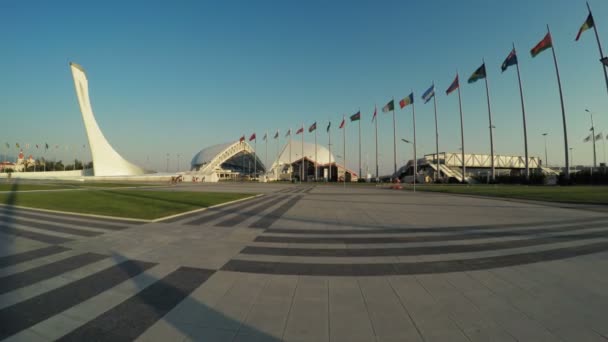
column 178, row 162
column 167, row 162
column 593, row 140
column 572, row 159
column 415, row 163
column 546, row 161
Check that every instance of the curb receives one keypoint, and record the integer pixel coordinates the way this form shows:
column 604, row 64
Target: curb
column 117, row 218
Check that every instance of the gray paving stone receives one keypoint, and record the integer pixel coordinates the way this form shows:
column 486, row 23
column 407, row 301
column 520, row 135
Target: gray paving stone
column 434, row 323
column 309, row 315
column 390, row 320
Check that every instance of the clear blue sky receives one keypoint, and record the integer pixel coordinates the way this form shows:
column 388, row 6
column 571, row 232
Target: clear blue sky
column 175, row 77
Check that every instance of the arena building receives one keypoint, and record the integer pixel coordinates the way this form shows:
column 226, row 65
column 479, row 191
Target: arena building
column 226, row 161
column 296, row 162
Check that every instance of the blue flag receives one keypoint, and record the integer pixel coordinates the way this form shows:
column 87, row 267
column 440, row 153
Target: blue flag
column 428, row 94
column 510, row 60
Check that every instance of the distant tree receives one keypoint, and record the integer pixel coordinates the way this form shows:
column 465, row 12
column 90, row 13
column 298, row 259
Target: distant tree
column 58, row 166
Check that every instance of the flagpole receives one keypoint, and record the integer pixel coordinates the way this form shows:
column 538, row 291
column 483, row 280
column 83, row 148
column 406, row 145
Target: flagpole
column 490, row 120
column 415, row 159
column 593, row 140
column 266, row 153
column 344, row 148
column 561, row 98
column 315, row 151
column 604, row 147
column 376, row 119
column 303, row 160
column 290, row 164
column 360, row 172
column 437, row 174
column 523, row 113
column 599, row 46
column 464, row 169
column 255, row 159
column 394, row 142
column 329, row 146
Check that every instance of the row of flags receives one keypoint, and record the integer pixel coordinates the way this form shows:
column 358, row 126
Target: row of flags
column 38, row 146
column 598, row 136
column 480, row 73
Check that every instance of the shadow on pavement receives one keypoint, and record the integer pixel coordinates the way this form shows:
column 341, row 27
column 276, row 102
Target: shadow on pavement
column 154, row 301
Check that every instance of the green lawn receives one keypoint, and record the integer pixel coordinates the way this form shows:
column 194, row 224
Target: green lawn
column 24, row 186
column 116, row 185
column 32, row 186
column 139, row 204
column 566, row 194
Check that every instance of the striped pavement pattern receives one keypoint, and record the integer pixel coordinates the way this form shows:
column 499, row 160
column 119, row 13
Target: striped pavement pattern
column 55, row 228
column 407, row 251
column 55, row 293
column 261, row 212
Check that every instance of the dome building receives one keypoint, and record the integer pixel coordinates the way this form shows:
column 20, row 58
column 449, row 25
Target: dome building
column 297, row 161
column 226, row 161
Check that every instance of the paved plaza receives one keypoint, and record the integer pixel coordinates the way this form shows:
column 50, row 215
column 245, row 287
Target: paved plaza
column 310, row 263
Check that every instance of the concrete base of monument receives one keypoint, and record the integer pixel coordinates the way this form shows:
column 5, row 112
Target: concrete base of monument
column 87, row 175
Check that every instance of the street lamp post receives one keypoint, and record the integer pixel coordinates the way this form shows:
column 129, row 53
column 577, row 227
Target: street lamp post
column 546, row 161
column 592, row 140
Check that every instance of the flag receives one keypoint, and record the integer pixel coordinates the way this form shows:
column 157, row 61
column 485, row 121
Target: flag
column 328, row 126
column 312, row 127
column 276, row 136
column 342, row 123
column 389, row 106
column 453, row 86
column 588, row 138
column 265, row 136
column 586, row 25
column 542, row 45
column 46, row 146
column 429, row 94
column 252, row 137
column 406, row 100
column 478, row 74
column 375, row 112
column 301, row 130
column 510, row 60
column 356, row 116
column 242, row 139
column 288, row 132
column 599, row 136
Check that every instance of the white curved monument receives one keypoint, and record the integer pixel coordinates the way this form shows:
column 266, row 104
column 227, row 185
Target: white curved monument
column 106, row 161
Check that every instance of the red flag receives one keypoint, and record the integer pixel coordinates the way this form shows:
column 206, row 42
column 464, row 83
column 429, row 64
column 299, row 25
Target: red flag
column 453, row 86
column 252, row 137
column 300, row 130
column 375, row 112
column 343, row 122
column 242, row 139
column 542, row 45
